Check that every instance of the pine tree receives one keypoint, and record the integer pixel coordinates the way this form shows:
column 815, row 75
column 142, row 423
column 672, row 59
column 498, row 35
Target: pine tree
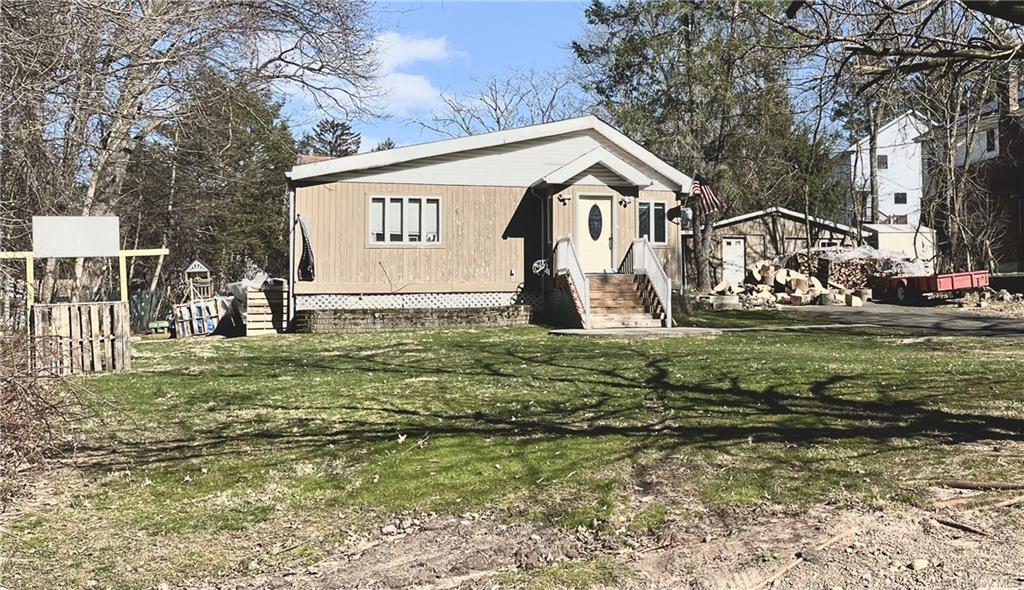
column 386, row 144
column 330, row 138
column 680, row 77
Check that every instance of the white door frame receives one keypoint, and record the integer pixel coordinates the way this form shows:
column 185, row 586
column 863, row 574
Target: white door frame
column 613, row 251
column 743, row 251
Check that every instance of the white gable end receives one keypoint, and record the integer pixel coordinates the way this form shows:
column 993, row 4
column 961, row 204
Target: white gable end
column 514, row 157
column 516, row 164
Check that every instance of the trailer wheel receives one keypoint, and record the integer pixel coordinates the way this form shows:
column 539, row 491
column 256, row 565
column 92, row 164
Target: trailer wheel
column 903, row 295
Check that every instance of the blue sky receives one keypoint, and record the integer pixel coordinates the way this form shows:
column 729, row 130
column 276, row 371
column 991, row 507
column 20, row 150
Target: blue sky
column 430, row 47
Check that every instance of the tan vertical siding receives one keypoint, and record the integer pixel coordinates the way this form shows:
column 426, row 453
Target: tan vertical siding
column 770, row 236
column 472, row 255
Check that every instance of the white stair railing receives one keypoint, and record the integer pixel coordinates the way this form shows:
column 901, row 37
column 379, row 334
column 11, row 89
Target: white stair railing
column 641, row 259
column 567, row 262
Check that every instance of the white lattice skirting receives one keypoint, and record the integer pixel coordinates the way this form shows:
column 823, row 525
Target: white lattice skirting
column 417, row 300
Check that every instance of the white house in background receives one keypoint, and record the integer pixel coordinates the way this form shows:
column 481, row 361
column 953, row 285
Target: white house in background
column 899, row 168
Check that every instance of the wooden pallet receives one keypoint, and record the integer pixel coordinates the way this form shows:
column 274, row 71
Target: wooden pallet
column 74, row 338
column 266, row 310
column 198, row 317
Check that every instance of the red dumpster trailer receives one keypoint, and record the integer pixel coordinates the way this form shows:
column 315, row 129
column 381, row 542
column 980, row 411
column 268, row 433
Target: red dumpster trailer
column 908, row 289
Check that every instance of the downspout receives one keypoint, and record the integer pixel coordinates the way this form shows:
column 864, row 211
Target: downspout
column 290, row 190
column 545, row 236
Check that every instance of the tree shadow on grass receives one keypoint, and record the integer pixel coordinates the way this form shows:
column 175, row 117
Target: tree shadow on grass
column 574, row 395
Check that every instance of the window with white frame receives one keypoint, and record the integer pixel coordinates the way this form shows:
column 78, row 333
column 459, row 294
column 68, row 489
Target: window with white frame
column 405, row 220
column 990, row 140
column 653, row 222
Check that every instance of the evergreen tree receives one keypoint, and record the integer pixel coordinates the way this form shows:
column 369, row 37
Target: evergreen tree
column 386, row 144
column 681, row 77
column 330, row 138
column 213, row 187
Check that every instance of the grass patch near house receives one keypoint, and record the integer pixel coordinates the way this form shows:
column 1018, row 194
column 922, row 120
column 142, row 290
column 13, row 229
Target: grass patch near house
column 215, row 452
column 703, row 318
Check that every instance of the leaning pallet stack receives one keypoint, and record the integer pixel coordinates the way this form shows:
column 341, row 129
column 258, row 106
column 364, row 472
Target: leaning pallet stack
column 266, row 309
column 198, row 317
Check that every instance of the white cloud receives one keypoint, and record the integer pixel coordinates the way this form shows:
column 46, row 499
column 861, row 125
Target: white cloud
column 398, row 50
column 405, row 94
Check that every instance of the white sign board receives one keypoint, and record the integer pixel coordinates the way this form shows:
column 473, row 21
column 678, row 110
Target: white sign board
column 76, row 237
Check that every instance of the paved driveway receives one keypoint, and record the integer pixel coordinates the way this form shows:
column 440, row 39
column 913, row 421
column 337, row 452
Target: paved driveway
column 944, row 318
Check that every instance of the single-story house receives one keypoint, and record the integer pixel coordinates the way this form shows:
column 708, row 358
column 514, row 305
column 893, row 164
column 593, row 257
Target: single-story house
column 566, row 211
column 776, row 231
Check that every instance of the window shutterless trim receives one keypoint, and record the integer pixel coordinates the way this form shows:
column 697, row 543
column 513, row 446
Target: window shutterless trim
column 651, row 221
column 404, row 243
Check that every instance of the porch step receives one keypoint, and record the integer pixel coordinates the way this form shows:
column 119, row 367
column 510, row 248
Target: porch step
column 631, row 308
column 618, row 320
column 615, row 303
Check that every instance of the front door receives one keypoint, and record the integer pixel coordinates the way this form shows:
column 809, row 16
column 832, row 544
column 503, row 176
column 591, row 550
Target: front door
column 594, row 233
column 734, row 253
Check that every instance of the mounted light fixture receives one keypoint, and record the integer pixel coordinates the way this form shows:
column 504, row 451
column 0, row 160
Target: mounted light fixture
column 625, row 200
column 564, row 198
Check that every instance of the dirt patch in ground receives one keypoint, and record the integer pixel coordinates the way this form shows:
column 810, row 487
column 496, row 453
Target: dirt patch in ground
column 432, row 551
column 822, row 548
column 994, row 305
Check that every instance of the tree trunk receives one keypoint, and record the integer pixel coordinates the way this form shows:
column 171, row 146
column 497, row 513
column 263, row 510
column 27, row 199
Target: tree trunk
column 703, row 233
column 873, row 158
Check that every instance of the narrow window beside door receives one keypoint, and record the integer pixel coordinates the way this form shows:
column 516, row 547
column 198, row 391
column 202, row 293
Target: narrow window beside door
column 405, row 220
column 652, row 222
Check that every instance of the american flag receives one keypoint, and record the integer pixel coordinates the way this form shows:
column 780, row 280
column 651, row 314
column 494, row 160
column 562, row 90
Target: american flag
column 707, row 200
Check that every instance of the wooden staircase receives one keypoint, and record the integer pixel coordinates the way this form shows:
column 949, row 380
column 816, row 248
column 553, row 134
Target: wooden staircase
column 618, row 301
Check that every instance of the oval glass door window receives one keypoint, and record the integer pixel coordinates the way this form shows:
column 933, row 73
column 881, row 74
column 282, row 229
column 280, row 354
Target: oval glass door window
column 595, row 222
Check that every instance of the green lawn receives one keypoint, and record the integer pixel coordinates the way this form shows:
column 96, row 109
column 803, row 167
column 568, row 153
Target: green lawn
column 212, row 452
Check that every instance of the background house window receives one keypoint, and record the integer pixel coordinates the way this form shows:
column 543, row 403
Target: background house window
column 405, row 220
column 829, row 243
column 882, row 162
column 990, row 140
column 653, row 222
column 901, row 219
column 900, row 198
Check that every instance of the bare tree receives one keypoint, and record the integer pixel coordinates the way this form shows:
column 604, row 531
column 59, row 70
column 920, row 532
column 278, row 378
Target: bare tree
column 525, row 97
column 84, row 83
column 946, row 58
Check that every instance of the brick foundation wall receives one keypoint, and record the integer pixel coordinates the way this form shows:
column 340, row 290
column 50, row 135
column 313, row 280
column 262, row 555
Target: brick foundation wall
column 321, row 321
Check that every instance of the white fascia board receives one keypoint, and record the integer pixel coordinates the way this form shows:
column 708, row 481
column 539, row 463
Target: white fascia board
column 485, row 140
column 794, row 215
column 640, row 153
column 599, row 155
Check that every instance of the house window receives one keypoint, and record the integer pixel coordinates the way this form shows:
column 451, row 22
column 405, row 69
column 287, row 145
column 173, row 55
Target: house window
column 405, row 220
column 829, row 243
column 990, row 140
column 900, row 198
column 898, row 219
column 653, row 222
column 882, row 162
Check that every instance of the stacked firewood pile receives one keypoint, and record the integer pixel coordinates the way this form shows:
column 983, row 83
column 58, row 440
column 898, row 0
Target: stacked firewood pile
column 854, row 273
column 769, row 285
column 825, row 276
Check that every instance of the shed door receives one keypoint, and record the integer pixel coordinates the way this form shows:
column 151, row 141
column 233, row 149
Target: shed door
column 734, row 260
column 594, row 232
